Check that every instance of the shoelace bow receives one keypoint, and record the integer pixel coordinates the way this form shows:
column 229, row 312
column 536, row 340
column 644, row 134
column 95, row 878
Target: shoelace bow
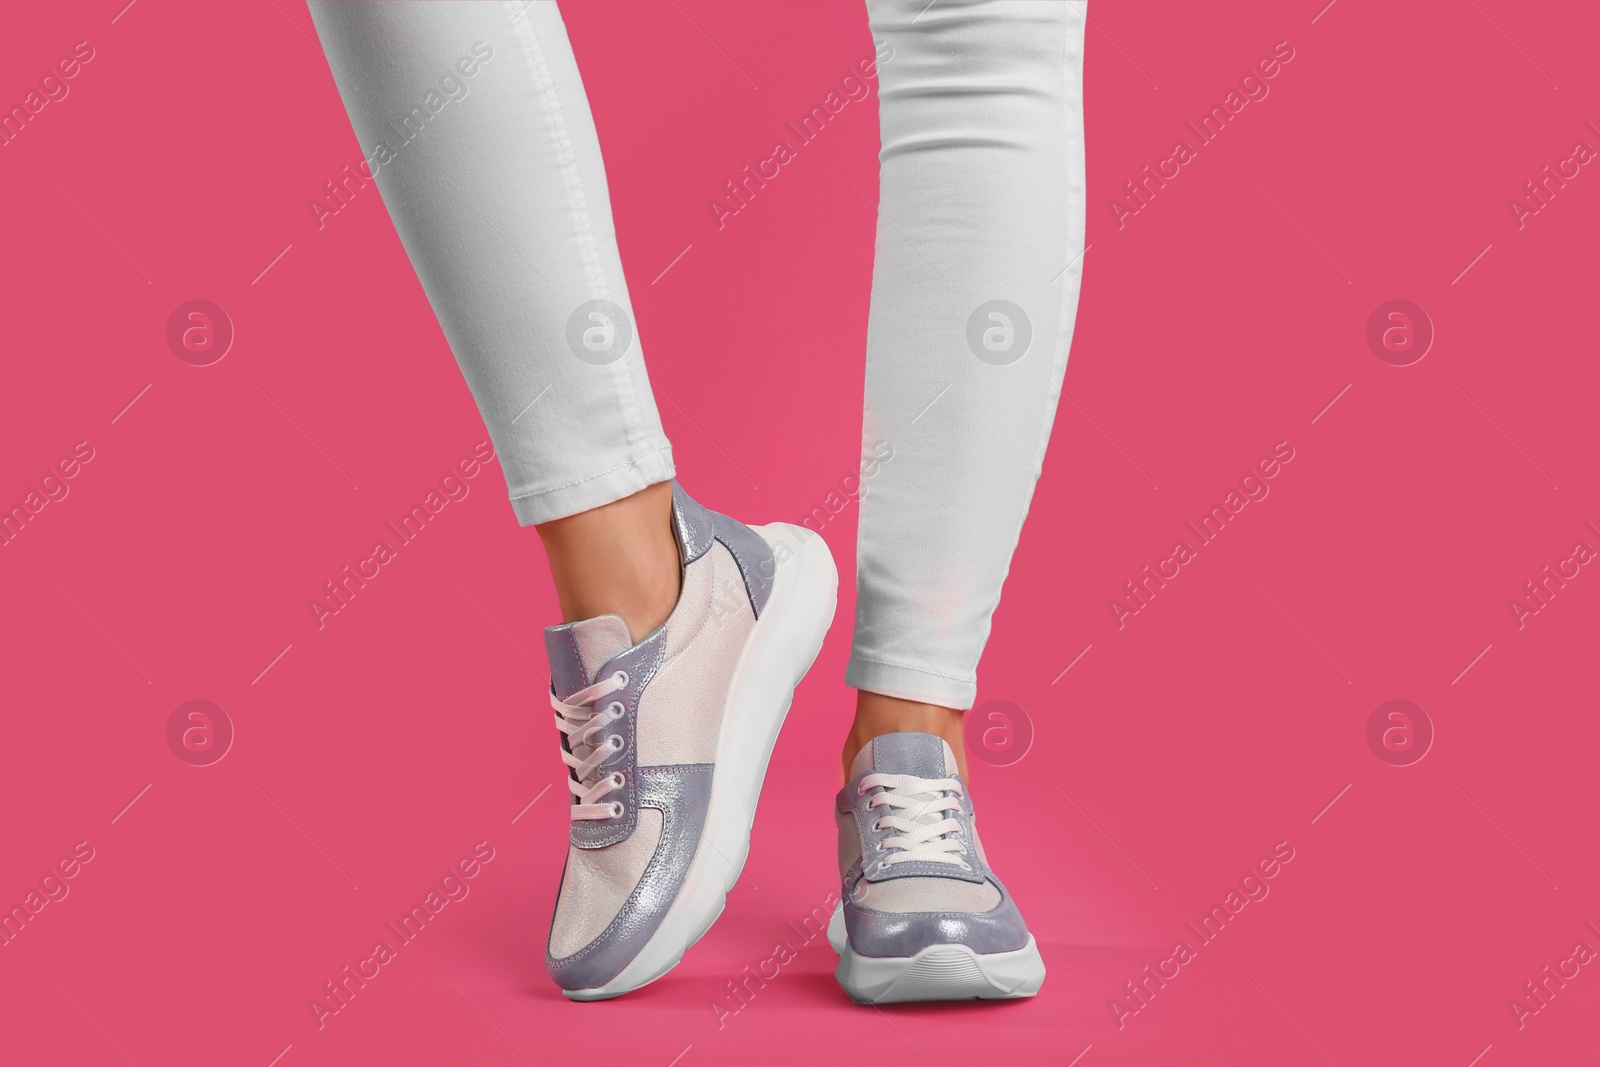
column 919, row 810
column 581, row 722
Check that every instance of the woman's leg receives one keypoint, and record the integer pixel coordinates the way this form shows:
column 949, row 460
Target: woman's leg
column 980, row 232
column 975, row 287
column 687, row 630
column 473, row 119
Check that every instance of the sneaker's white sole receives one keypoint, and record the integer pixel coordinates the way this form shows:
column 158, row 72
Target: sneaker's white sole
column 782, row 646
column 938, row 972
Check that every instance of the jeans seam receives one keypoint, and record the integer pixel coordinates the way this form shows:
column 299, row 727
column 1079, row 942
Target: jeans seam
column 578, row 210
column 635, row 461
column 906, row 667
column 1066, row 320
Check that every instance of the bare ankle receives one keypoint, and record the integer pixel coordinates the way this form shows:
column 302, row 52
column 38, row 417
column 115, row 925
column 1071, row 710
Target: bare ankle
column 877, row 714
column 617, row 559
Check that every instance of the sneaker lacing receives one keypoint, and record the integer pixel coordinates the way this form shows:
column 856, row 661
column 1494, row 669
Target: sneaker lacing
column 919, row 809
column 580, row 721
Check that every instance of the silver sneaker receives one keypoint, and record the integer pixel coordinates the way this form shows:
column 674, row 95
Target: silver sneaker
column 667, row 742
column 921, row 916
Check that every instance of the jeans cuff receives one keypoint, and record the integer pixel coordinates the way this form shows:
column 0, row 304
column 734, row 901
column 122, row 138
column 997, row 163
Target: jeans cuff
column 910, row 683
column 607, row 487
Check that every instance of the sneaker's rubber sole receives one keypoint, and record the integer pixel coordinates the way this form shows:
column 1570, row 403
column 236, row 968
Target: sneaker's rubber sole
column 782, row 646
column 938, row 972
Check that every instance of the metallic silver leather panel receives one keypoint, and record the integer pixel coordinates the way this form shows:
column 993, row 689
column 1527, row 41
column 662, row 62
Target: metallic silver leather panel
column 682, row 792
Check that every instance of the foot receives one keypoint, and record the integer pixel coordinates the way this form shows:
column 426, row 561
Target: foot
column 921, row 916
column 667, row 741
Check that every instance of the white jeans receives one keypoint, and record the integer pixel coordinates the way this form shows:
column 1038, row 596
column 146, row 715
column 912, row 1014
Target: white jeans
column 473, row 120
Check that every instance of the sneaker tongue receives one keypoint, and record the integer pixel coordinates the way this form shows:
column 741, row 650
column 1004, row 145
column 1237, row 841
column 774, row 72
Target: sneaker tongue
column 577, row 650
column 923, row 755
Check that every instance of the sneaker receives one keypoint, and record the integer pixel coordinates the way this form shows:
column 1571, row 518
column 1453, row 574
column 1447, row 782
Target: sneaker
column 667, row 742
column 921, row 916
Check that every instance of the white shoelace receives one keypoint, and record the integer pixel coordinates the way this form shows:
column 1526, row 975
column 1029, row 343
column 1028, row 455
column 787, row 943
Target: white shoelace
column 581, row 722
column 919, row 809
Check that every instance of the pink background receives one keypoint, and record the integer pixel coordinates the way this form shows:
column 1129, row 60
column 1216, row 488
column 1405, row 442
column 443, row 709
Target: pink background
column 1224, row 718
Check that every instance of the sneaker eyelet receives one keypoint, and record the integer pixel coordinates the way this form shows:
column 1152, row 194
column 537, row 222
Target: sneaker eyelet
column 617, row 809
column 616, row 743
column 622, row 677
column 620, row 779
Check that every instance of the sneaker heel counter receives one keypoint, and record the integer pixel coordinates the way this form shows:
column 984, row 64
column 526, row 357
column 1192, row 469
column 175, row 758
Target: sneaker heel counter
column 697, row 527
